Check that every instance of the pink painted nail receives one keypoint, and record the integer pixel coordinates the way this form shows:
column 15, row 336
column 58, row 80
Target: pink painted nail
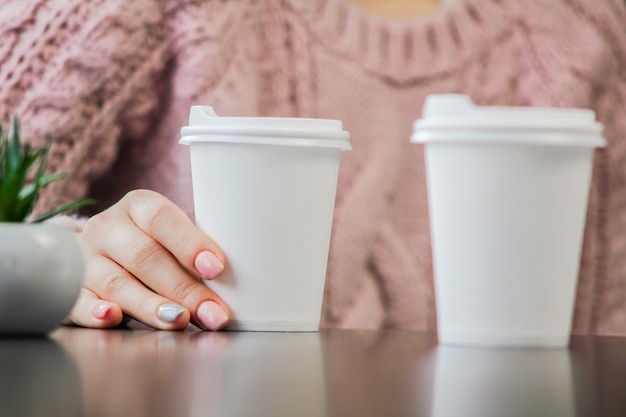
column 208, row 265
column 212, row 315
column 102, row 311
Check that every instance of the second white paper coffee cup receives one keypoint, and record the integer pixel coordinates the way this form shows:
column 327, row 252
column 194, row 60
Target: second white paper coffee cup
column 264, row 190
column 507, row 194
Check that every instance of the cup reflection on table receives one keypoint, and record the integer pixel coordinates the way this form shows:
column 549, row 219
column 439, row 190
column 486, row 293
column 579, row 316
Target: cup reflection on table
column 371, row 373
column 259, row 374
column 503, row 382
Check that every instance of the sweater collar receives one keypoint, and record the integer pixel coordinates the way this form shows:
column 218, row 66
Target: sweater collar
column 406, row 51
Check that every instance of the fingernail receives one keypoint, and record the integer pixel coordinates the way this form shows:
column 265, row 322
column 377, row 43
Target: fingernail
column 169, row 312
column 208, row 265
column 102, row 311
column 212, row 315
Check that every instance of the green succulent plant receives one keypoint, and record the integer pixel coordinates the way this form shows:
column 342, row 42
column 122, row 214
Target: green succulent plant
column 22, row 177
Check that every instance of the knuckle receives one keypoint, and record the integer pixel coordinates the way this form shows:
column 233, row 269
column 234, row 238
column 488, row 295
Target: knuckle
column 145, row 253
column 156, row 213
column 184, row 290
column 148, row 209
column 137, row 195
column 185, row 245
column 92, row 225
column 98, row 224
column 113, row 283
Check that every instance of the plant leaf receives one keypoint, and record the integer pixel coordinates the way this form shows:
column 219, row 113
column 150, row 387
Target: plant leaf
column 65, row 208
column 23, row 176
column 3, row 146
column 31, row 158
column 25, row 206
column 41, row 182
column 9, row 190
column 47, row 179
column 14, row 152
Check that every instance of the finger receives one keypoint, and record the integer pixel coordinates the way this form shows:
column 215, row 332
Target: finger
column 134, row 250
column 166, row 223
column 110, row 281
column 157, row 268
column 91, row 311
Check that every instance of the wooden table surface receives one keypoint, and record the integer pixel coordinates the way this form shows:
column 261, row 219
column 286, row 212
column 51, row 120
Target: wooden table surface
column 122, row 372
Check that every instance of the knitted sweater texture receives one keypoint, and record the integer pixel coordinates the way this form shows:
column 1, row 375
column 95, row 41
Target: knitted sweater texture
column 111, row 81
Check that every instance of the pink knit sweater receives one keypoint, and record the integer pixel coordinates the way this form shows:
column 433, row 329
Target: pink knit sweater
column 112, row 81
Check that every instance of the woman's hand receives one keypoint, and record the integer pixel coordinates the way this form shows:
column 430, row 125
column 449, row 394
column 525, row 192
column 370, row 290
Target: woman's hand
column 145, row 258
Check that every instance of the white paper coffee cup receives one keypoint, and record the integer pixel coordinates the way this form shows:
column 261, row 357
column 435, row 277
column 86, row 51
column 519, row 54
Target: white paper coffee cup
column 507, row 194
column 264, row 190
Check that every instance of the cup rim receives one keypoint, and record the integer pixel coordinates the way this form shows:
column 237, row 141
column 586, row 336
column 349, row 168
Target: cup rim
column 206, row 127
column 454, row 118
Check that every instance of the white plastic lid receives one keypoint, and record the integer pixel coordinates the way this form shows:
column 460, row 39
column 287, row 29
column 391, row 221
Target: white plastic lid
column 454, row 118
column 206, row 126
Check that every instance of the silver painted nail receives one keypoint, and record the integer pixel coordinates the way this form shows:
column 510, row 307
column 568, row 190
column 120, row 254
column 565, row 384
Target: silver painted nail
column 169, row 312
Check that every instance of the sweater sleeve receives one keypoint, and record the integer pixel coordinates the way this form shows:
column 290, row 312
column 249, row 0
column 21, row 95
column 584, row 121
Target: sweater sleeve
column 82, row 74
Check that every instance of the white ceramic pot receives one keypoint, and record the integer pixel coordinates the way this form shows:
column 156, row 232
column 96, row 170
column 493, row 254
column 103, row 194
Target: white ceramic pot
column 41, row 274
